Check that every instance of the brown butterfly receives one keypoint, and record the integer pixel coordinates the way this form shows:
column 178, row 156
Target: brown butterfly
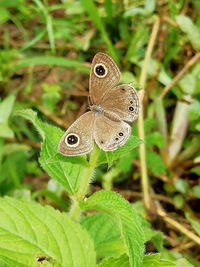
column 112, row 107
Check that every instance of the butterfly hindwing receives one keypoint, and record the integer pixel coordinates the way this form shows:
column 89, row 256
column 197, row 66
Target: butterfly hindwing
column 110, row 134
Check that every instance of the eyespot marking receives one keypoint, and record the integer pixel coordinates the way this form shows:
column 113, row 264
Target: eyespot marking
column 123, row 89
column 101, row 142
column 131, row 108
column 121, row 134
column 72, row 140
column 131, row 102
column 100, row 70
column 116, row 138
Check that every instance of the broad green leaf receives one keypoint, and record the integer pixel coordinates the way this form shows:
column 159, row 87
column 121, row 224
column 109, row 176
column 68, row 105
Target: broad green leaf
column 121, row 261
column 154, row 260
column 6, row 107
column 68, row 171
column 127, row 219
column 187, row 26
column 28, row 230
column 109, row 157
column 105, row 233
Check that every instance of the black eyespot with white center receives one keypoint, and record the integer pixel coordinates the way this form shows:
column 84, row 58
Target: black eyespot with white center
column 121, row 134
column 131, row 108
column 72, row 140
column 100, row 70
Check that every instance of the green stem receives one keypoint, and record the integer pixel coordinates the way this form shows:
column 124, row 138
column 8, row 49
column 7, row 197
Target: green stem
column 75, row 209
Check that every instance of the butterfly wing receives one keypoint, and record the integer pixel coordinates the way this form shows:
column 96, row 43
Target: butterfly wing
column 123, row 101
column 110, row 134
column 104, row 74
column 78, row 139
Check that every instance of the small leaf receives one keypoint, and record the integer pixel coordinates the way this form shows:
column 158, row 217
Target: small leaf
column 194, row 111
column 192, row 31
column 196, row 191
column 155, row 163
column 178, row 201
column 39, row 230
column 181, row 186
column 105, row 233
column 156, row 139
column 128, row 220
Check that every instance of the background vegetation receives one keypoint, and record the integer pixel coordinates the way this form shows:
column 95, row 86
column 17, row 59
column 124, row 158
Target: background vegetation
column 46, row 51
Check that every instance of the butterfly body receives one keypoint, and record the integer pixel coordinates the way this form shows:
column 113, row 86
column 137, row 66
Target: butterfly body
column 112, row 108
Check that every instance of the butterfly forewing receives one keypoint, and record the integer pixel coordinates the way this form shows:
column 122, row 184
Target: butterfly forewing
column 104, row 74
column 123, row 101
column 78, row 139
column 110, row 134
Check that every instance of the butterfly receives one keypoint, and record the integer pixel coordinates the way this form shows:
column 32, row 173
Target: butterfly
column 112, row 108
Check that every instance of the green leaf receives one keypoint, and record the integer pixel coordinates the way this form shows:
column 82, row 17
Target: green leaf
column 181, row 186
column 154, row 260
column 109, row 157
column 5, row 130
column 105, row 233
column 191, row 30
column 6, row 107
column 68, row 171
column 155, row 163
column 179, row 201
column 156, row 139
column 194, row 110
column 195, row 224
column 127, row 219
column 196, row 191
column 121, row 261
column 28, row 230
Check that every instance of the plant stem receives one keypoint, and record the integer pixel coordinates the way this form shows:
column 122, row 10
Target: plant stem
column 143, row 77
column 75, row 209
